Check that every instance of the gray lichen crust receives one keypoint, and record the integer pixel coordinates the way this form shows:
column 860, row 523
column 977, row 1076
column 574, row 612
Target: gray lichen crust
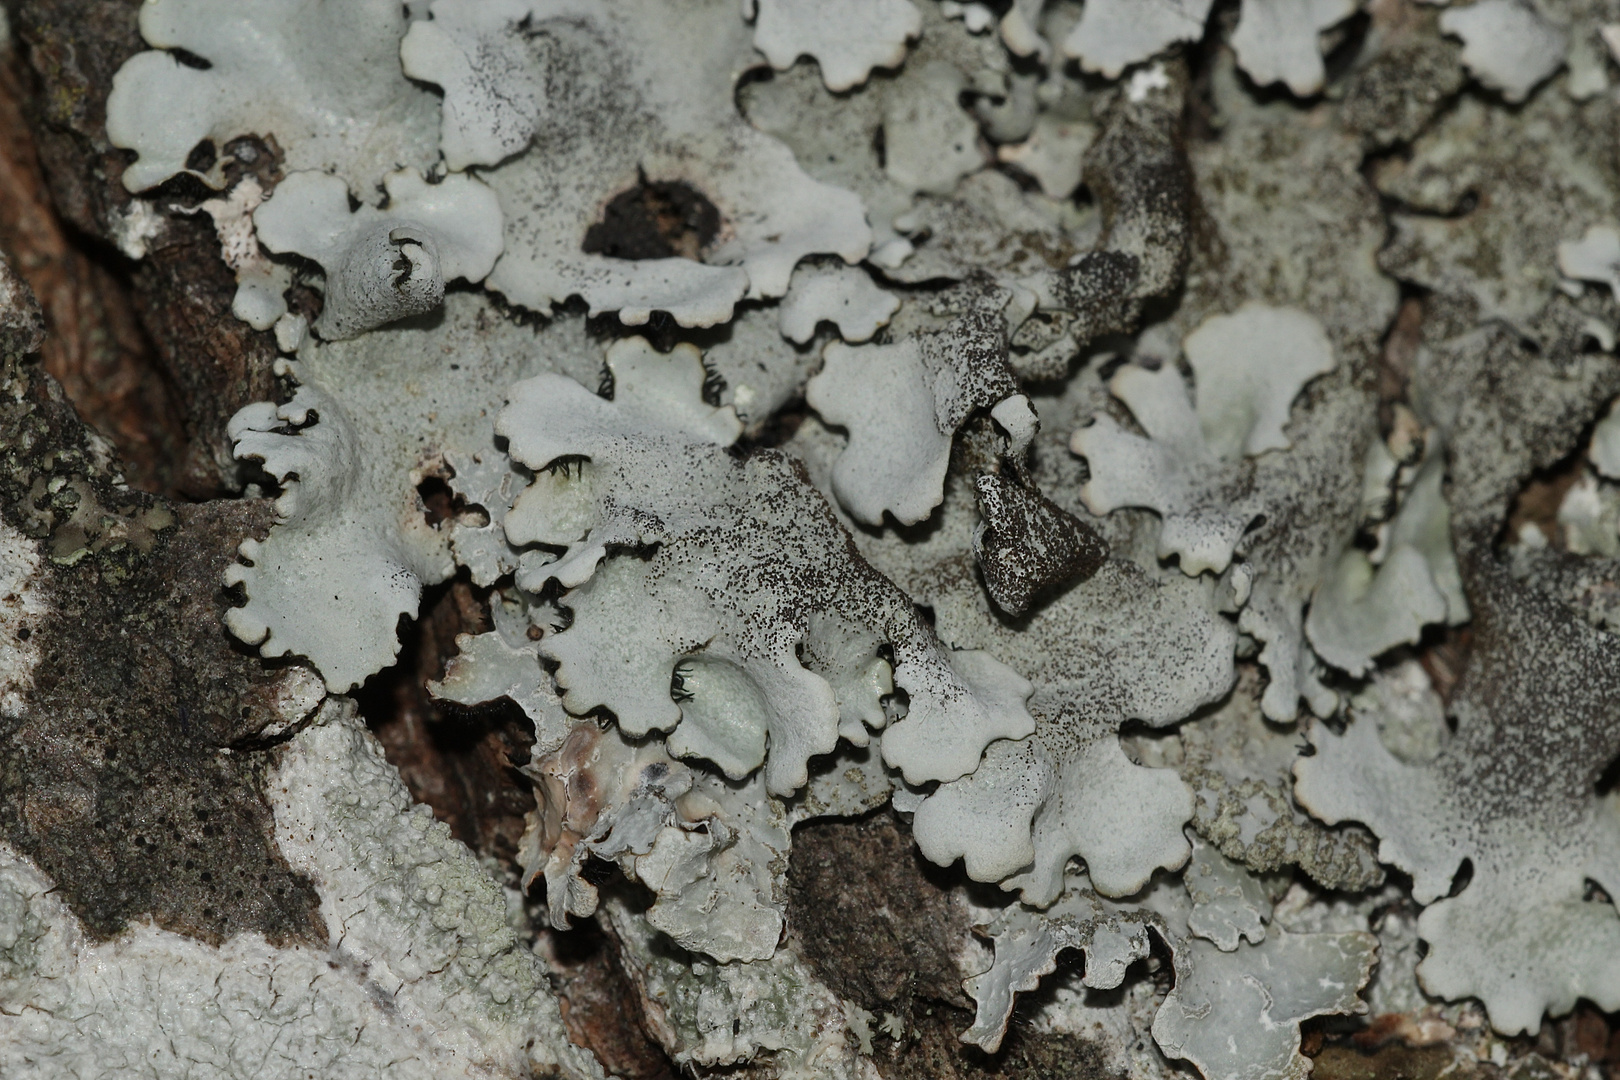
column 946, row 485
column 1514, row 792
column 1238, row 766
column 421, row 976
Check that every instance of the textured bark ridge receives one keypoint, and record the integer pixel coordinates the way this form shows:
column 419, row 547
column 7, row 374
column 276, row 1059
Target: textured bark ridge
column 129, row 768
column 94, row 345
column 879, row 939
column 182, row 291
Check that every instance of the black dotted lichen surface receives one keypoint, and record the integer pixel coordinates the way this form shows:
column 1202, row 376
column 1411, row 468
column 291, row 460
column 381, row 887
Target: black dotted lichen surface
column 128, row 774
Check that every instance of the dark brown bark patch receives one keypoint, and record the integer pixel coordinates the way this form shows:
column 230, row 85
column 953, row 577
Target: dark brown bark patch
column 95, row 346
column 654, row 220
column 876, row 924
column 458, row 761
column 931, row 1051
column 130, row 773
column 1394, row 1062
column 600, row 1005
column 872, row 918
column 217, row 362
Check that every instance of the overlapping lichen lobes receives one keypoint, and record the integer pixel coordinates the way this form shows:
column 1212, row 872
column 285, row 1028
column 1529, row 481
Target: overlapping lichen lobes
column 1120, row 646
column 1027, row 947
column 1229, row 905
column 711, row 853
column 328, row 89
column 848, row 39
column 1549, row 182
column 1507, row 44
column 747, row 555
column 1235, row 1009
column 1290, row 527
column 1513, row 792
column 920, row 108
column 727, row 615
column 1237, row 1014
column 383, row 264
column 1125, row 644
column 1267, row 178
column 902, row 405
column 493, row 96
column 635, row 89
column 352, row 548
column 726, row 1014
column 1112, row 35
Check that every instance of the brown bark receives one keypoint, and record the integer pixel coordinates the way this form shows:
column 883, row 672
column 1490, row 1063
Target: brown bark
column 131, row 766
column 182, row 290
column 457, row 760
column 94, row 344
